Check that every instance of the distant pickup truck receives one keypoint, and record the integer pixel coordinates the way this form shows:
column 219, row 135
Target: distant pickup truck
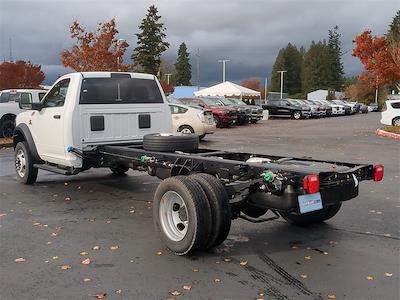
column 122, row 121
column 9, row 107
column 287, row 108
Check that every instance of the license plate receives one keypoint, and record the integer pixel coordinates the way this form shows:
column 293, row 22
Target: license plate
column 310, row 202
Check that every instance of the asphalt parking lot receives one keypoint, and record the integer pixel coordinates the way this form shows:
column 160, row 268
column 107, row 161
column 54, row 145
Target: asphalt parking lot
column 61, row 221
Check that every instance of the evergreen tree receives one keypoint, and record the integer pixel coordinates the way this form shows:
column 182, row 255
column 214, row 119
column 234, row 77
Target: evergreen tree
column 316, row 67
column 393, row 34
column 289, row 59
column 336, row 72
column 151, row 42
column 183, row 67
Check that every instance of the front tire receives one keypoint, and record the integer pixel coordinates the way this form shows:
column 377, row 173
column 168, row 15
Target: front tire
column 314, row 217
column 182, row 215
column 296, row 115
column 186, row 129
column 26, row 172
column 396, row 121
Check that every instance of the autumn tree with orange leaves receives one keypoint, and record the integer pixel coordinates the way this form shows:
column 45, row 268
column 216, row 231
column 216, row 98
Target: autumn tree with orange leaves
column 20, row 74
column 380, row 56
column 96, row 51
column 254, row 84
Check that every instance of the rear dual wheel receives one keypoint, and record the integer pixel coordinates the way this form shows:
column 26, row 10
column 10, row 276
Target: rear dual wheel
column 191, row 213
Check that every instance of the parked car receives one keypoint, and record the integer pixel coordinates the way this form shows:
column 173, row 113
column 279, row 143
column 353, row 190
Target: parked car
column 10, row 107
column 243, row 112
column 373, row 107
column 364, row 108
column 337, row 109
column 355, row 106
column 287, row 108
column 347, row 107
column 316, row 111
column 187, row 119
column 326, row 109
column 223, row 115
column 391, row 113
column 256, row 111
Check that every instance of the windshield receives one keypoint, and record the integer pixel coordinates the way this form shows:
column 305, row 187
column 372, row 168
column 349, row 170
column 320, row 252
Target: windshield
column 237, row 101
column 226, row 101
column 302, row 102
column 294, row 102
column 212, row 102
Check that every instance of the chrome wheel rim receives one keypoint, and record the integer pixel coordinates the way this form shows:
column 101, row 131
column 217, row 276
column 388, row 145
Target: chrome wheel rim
column 174, row 216
column 297, row 115
column 186, row 131
column 396, row 122
column 20, row 163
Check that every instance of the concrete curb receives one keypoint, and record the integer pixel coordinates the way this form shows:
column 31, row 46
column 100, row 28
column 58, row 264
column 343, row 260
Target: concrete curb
column 391, row 135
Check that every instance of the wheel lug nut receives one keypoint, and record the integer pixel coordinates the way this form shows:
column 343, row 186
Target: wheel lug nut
column 176, row 207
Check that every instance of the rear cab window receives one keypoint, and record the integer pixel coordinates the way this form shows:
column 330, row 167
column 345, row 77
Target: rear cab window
column 4, row 97
column 395, row 105
column 119, row 90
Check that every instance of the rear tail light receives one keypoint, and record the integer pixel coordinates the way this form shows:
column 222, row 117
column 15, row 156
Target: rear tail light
column 311, row 184
column 378, row 172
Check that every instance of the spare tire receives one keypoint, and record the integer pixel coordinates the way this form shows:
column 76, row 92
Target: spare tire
column 169, row 142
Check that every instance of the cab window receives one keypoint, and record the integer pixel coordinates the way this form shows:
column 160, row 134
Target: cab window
column 4, row 97
column 56, row 96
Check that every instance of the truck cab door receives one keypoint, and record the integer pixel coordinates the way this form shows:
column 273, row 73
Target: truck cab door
column 47, row 125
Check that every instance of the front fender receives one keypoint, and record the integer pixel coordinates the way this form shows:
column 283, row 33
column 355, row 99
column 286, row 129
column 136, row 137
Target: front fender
column 22, row 133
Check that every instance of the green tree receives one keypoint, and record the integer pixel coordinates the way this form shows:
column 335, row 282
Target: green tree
column 289, row 59
column 183, row 67
column 316, row 67
column 151, row 42
column 336, row 73
column 393, row 34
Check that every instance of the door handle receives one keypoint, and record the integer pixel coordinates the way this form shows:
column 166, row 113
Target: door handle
column 57, row 116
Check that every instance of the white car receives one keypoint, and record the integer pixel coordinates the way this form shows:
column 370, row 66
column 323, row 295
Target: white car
column 189, row 119
column 337, row 109
column 391, row 113
column 10, row 101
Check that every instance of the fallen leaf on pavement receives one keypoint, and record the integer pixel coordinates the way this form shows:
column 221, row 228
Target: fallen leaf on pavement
column 67, row 199
column 227, row 259
column 243, row 263
column 325, row 253
column 86, row 261
column 118, row 291
column 187, row 287
column 65, row 183
column 388, row 274
column 20, row 259
column 108, row 221
column 53, row 234
column 333, row 242
column 303, row 276
column 217, row 280
column 195, row 270
column 370, row 277
column 3, row 215
column 36, row 224
column 48, row 243
column 96, row 248
column 294, row 247
column 65, row 267
column 83, row 253
column 331, row 296
column 99, row 296
column 132, row 211
column 159, row 253
column 307, row 257
column 92, row 219
column 387, row 235
column 176, row 293
column 86, row 279
column 114, row 247
column 55, row 257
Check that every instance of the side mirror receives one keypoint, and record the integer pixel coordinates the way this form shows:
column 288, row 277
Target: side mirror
column 202, row 105
column 37, row 106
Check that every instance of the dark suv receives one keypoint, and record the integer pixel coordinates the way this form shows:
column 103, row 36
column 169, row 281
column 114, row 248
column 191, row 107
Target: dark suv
column 287, row 108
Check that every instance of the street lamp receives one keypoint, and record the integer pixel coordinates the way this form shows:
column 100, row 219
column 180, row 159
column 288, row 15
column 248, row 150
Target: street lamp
column 119, row 42
column 168, row 75
column 282, row 72
column 223, row 61
column 265, row 90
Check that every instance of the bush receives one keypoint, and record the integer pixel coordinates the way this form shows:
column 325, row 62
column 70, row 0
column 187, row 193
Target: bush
column 392, row 129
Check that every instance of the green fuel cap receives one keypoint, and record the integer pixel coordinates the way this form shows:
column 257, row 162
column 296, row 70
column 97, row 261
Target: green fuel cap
column 267, row 176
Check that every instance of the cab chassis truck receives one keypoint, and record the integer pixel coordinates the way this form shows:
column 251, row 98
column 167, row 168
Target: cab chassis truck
column 202, row 190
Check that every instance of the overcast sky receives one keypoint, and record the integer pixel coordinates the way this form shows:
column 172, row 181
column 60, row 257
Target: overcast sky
column 249, row 33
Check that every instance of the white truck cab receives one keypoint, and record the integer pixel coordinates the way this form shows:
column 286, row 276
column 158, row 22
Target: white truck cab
column 10, row 101
column 83, row 110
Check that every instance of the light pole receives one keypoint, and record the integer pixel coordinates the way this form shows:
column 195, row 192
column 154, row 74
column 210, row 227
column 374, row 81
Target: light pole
column 282, row 72
column 376, row 91
column 198, row 68
column 168, row 75
column 223, row 61
column 119, row 42
column 265, row 90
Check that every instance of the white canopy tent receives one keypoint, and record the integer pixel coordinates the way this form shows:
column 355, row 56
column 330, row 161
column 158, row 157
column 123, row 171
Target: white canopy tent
column 227, row 89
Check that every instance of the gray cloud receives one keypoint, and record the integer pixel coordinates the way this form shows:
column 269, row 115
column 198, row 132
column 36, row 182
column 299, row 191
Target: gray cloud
column 249, row 33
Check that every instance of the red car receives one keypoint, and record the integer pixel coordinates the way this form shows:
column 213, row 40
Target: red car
column 223, row 115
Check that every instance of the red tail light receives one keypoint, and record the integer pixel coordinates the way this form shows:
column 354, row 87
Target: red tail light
column 311, row 184
column 378, row 172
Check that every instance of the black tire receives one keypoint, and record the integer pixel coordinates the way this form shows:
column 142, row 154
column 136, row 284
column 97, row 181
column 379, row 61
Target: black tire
column 221, row 215
column 30, row 173
column 296, row 115
column 7, row 128
column 198, row 214
column 201, row 137
column 253, row 211
column 314, row 217
column 186, row 129
column 170, row 142
column 119, row 169
column 396, row 121
column 217, row 122
column 253, row 121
